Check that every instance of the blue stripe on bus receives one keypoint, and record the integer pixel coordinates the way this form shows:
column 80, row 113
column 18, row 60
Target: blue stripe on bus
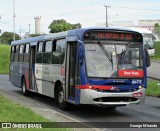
column 77, row 96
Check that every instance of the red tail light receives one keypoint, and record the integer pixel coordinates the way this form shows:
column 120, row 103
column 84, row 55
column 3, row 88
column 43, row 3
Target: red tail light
column 137, row 94
column 62, row 70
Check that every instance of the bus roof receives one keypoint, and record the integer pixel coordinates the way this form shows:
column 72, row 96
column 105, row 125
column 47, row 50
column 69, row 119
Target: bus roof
column 28, row 40
column 76, row 32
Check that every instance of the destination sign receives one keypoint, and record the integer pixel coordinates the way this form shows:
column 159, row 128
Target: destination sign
column 130, row 73
column 113, row 36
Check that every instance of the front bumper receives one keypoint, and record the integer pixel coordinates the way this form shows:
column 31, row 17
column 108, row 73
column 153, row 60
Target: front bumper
column 89, row 96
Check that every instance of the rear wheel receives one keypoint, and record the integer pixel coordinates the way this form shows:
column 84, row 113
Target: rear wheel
column 61, row 102
column 24, row 90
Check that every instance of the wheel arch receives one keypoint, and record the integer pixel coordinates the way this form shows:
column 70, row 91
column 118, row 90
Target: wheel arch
column 58, row 83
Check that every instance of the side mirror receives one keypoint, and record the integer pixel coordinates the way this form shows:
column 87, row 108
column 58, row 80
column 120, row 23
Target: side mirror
column 148, row 62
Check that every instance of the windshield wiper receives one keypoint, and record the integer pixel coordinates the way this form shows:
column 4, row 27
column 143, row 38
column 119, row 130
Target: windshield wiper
column 107, row 54
column 125, row 50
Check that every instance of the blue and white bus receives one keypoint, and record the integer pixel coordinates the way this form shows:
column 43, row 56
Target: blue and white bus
column 100, row 66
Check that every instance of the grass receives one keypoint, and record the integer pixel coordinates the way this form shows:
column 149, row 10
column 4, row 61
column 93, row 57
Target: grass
column 153, row 88
column 4, row 58
column 157, row 52
column 11, row 112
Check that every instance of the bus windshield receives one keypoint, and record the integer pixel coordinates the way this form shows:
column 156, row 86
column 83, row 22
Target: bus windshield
column 120, row 57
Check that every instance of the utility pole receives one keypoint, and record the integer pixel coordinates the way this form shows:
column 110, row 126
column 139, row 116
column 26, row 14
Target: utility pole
column 29, row 30
column 14, row 20
column 106, row 15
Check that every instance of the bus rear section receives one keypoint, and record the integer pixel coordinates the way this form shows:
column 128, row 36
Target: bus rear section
column 112, row 68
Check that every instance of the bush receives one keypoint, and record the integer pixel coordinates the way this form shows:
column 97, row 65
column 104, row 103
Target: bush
column 4, row 58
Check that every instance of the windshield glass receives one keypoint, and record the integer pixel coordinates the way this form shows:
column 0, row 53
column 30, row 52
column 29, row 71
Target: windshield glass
column 148, row 40
column 112, row 60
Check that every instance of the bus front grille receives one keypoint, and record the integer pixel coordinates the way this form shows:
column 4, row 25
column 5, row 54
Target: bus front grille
column 115, row 99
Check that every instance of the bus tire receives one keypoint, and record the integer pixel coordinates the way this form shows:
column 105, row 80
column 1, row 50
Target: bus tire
column 63, row 105
column 24, row 90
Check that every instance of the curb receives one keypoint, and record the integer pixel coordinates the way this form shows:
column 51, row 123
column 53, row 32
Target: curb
column 150, row 77
column 156, row 61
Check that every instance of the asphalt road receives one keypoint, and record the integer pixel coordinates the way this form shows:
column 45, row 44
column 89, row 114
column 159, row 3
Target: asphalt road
column 154, row 70
column 147, row 112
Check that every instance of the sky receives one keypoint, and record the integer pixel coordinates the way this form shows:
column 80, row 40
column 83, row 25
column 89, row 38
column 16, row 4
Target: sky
column 89, row 13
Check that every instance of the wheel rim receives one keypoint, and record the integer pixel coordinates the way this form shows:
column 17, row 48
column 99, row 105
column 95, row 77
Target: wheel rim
column 60, row 96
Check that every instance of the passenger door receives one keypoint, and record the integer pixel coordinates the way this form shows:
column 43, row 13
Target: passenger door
column 71, row 72
column 32, row 67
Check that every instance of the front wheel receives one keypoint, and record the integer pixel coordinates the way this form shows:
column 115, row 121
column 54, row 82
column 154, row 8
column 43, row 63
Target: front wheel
column 61, row 102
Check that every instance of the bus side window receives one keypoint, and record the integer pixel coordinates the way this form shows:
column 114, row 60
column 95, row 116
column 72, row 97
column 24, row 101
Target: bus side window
column 58, row 51
column 21, row 53
column 26, row 50
column 47, row 52
column 12, row 53
column 39, row 55
column 16, row 54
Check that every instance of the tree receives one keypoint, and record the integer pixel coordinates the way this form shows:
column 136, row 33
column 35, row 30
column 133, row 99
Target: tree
column 62, row 25
column 34, row 35
column 7, row 37
column 76, row 26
